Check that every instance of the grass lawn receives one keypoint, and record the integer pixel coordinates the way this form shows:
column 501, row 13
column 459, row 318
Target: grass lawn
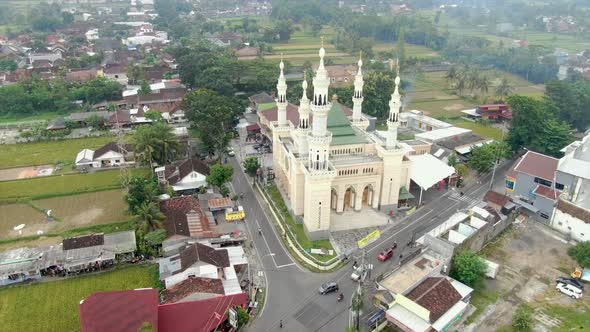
column 54, row 306
column 481, row 299
column 10, row 118
column 64, row 184
column 39, row 153
column 296, row 228
column 573, row 318
column 480, row 129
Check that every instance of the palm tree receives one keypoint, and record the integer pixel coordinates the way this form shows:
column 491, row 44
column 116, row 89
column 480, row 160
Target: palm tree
column 148, row 217
column 168, row 145
column 144, row 146
column 452, row 74
column 504, row 89
column 472, row 79
column 483, row 84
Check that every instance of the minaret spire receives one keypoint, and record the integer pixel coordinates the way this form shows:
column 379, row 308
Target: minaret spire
column 320, row 138
column 395, row 105
column 282, row 96
column 304, row 107
column 357, row 98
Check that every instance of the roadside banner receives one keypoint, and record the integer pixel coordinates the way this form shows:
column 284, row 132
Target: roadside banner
column 234, row 215
column 370, row 238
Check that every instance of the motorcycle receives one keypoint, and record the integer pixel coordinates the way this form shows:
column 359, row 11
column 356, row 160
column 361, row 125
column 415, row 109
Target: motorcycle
column 340, row 297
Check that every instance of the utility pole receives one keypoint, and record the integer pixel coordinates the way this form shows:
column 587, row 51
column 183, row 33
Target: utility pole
column 358, row 291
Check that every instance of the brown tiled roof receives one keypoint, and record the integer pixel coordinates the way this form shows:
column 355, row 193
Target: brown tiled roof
column 201, row 253
column 217, row 203
column 175, row 210
column 496, row 198
column 121, row 116
column 261, row 98
column 546, row 192
column 114, row 69
column 83, row 241
column 192, row 285
column 192, row 164
column 81, row 75
column 573, row 210
column 437, row 295
column 539, row 165
column 292, row 114
column 111, row 146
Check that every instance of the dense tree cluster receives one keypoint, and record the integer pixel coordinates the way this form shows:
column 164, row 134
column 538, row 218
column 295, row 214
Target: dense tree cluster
column 571, row 101
column 34, row 95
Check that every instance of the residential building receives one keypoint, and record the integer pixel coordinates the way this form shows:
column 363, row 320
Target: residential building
column 116, row 72
column 88, row 252
column 496, row 112
column 437, row 135
column 259, row 99
column 163, row 94
column 418, row 121
column 175, row 116
column 572, row 212
column 248, row 51
column 128, row 310
column 184, row 217
column 92, row 35
column 340, row 75
column 109, row 155
column 188, row 175
column 531, row 182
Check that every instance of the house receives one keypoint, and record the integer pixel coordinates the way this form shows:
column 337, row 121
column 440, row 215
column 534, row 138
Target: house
column 82, row 253
column 260, row 98
column 205, row 270
column 531, row 183
column 175, row 116
column 184, row 217
column 165, row 93
column 81, row 118
column 92, row 35
column 81, row 75
column 56, row 124
column 340, row 75
column 572, row 213
column 190, row 174
column 128, row 310
column 496, row 112
column 437, row 135
column 418, row 121
column 248, row 51
column 116, row 72
column 433, row 305
column 109, row 155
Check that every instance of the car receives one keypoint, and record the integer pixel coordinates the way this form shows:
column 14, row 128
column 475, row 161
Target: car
column 328, row 287
column 385, row 255
column 569, row 290
column 230, row 152
column 570, row 281
column 257, row 146
column 359, row 273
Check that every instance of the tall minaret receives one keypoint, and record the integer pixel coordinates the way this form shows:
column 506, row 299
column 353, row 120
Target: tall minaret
column 319, row 141
column 282, row 97
column 303, row 128
column 357, row 98
column 395, row 105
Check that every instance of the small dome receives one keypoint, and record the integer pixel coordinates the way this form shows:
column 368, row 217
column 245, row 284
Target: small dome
column 360, row 63
column 397, row 80
column 322, row 52
column 304, row 85
column 335, row 97
column 282, row 65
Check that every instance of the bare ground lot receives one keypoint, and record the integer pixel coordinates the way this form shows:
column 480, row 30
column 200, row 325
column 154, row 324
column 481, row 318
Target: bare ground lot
column 531, row 257
column 25, row 172
column 72, row 211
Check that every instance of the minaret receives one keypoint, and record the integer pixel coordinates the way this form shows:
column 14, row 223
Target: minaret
column 303, row 128
column 357, row 98
column 282, row 97
column 395, row 105
column 319, row 141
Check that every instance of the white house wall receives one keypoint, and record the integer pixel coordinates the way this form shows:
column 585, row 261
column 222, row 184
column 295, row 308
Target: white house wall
column 570, row 225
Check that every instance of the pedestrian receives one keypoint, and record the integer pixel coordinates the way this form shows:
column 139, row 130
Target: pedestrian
column 400, row 256
column 388, row 220
column 281, row 323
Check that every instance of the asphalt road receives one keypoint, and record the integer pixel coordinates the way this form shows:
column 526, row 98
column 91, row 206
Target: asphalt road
column 292, row 295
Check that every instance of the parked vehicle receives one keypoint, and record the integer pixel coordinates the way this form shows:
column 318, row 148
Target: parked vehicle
column 385, row 255
column 328, row 287
column 570, row 281
column 231, row 152
column 569, row 290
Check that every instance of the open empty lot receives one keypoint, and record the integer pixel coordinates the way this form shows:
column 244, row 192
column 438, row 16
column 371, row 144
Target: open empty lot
column 12, row 215
column 54, row 306
column 531, row 257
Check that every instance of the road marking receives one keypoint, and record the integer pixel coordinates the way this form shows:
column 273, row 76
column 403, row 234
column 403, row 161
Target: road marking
column 285, row 265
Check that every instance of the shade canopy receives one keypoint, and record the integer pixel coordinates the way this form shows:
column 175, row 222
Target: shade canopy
column 427, row 170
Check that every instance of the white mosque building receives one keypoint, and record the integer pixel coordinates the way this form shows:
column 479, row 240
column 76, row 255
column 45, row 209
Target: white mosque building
column 327, row 163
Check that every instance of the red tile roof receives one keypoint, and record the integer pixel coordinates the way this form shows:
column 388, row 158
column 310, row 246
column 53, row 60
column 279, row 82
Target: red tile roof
column 539, row 165
column 437, row 295
column 190, row 286
column 175, row 209
column 496, row 198
column 119, row 311
column 201, row 253
column 574, row 210
column 200, row 315
column 546, row 192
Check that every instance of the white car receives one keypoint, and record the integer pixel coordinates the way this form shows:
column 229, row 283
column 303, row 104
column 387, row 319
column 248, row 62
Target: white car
column 569, row 290
column 359, row 273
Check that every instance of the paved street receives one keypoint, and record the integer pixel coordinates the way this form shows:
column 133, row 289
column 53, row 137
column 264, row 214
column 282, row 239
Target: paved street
column 292, row 292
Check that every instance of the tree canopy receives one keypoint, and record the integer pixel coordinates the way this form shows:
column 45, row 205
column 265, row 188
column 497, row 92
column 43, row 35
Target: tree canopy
column 534, row 127
column 251, row 165
column 211, row 114
column 571, row 100
column 156, row 143
column 581, row 253
column 468, row 267
column 220, row 174
column 483, row 157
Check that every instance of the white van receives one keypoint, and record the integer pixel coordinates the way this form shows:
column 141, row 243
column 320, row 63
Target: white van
column 569, row 290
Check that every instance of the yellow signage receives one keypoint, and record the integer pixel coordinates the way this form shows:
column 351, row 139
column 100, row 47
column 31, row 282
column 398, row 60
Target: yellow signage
column 374, row 235
column 235, row 215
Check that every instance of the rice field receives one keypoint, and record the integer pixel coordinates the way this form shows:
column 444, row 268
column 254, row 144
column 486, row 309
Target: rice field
column 12, row 215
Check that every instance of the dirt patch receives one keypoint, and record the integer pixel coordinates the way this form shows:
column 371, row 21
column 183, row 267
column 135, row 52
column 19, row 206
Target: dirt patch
column 25, row 172
column 12, row 215
column 454, row 107
column 86, row 209
column 42, row 241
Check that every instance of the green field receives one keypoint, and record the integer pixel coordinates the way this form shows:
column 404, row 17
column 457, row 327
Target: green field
column 54, row 306
column 480, row 129
column 12, row 118
column 63, row 184
column 40, row 153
